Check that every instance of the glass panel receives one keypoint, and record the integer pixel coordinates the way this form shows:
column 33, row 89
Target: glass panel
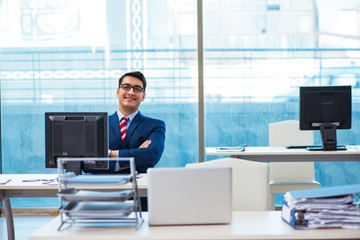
column 258, row 53
column 69, row 55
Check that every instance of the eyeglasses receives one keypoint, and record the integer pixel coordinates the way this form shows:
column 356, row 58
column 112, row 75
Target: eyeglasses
column 127, row 87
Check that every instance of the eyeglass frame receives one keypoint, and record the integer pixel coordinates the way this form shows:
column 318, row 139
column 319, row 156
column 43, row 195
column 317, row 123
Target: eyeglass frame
column 132, row 87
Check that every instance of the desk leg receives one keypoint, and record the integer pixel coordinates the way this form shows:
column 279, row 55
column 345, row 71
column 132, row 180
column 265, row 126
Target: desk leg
column 9, row 219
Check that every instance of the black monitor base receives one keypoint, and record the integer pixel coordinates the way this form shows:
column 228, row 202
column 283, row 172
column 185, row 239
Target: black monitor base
column 321, row 148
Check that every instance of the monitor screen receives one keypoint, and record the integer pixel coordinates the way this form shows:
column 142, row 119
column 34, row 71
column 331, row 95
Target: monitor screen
column 325, row 108
column 76, row 134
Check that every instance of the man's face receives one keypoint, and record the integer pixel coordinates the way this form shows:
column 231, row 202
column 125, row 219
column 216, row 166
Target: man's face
column 130, row 100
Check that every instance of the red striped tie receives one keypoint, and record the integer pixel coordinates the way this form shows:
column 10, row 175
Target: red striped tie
column 123, row 127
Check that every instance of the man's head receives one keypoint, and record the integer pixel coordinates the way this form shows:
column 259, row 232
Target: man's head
column 131, row 92
column 135, row 74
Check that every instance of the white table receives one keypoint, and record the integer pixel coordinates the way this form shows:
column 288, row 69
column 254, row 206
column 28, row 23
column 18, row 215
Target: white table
column 282, row 154
column 245, row 225
column 17, row 188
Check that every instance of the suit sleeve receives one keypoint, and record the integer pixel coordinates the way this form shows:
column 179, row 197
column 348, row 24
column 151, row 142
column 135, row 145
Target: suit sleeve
column 148, row 157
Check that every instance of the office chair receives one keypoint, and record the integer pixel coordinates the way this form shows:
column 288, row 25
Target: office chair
column 288, row 176
column 250, row 180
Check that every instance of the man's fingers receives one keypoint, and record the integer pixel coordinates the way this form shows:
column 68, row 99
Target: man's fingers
column 145, row 144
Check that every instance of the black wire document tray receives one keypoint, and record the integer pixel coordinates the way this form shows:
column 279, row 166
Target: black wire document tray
column 99, row 210
column 98, row 198
column 72, row 194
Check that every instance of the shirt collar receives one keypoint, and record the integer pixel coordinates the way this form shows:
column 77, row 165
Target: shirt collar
column 131, row 116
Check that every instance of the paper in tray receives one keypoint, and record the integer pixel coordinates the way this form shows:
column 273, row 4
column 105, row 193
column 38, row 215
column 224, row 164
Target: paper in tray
column 72, row 194
column 97, row 179
column 99, row 209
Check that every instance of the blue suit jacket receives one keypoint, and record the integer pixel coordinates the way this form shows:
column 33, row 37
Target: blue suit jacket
column 141, row 129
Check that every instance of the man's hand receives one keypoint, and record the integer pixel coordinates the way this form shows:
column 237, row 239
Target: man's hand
column 145, row 144
column 114, row 153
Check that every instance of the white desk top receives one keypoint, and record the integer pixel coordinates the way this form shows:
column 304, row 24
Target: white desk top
column 281, row 154
column 355, row 149
column 17, row 183
column 245, row 225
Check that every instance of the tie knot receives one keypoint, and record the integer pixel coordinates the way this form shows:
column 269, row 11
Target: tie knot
column 125, row 119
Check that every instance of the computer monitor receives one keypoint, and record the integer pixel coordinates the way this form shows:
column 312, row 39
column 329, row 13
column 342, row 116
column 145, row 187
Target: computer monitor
column 76, row 134
column 325, row 108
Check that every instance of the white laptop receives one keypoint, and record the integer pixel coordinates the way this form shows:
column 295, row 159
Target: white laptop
column 189, row 196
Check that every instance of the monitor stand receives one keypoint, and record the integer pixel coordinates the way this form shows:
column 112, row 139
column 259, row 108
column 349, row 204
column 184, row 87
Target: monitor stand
column 74, row 166
column 328, row 137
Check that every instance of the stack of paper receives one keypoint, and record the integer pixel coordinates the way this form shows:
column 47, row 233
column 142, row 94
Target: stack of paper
column 72, row 194
column 97, row 210
column 331, row 207
column 96, row 179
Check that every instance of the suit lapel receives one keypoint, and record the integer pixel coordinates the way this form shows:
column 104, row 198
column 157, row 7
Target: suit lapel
column 115, row 127
column 134, row 123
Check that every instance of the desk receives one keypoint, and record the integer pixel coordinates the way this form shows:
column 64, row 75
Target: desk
column 245, row 225
column 282, row 154
column 17, row 188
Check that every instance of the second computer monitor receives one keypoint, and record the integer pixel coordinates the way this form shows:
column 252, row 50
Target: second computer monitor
column 325, row 108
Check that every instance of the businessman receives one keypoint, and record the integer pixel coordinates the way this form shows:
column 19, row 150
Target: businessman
column 132, row 134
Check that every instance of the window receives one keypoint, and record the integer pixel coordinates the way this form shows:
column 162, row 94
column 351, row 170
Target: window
column 59, row 57
column 258, row 53
column 68, row 56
